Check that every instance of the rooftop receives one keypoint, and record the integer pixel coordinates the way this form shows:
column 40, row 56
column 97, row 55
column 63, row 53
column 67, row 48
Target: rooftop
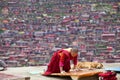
column 34, row 72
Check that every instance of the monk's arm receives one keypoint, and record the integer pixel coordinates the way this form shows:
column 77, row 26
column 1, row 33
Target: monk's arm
column 75, row 62
column 61, row 70
column 61, row 62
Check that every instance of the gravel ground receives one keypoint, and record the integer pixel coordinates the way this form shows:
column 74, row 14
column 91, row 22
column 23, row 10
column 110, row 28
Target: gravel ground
column 34, row 72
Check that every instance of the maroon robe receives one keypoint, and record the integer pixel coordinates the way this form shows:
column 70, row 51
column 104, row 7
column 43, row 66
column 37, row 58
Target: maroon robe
column 55, row 63
column 108, row 75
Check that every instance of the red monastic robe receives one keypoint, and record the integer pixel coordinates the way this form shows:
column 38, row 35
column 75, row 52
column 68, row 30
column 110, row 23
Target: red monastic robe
column 107, row 75
column 59, row 59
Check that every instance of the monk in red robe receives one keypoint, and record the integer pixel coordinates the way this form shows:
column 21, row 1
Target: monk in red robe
column 60, row 61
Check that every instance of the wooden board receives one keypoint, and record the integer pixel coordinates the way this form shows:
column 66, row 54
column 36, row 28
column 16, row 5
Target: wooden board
column 4, row 76
column 79, row 74
column 94, row 77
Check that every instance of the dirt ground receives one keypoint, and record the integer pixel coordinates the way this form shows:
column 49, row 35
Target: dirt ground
column 34, row 72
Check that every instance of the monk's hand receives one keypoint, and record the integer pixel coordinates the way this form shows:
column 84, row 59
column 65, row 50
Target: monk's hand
column 62, row 72
column 74, row 70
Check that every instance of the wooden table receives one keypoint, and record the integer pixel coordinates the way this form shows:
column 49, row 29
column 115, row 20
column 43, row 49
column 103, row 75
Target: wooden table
column 80, row 75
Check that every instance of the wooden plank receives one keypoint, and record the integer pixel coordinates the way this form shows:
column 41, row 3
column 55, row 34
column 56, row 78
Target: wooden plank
column 80, row 75
column 77, row 73
column 94, row 77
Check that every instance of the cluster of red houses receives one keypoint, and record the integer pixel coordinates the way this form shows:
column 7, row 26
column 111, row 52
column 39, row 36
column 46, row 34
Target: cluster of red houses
column 31, row 30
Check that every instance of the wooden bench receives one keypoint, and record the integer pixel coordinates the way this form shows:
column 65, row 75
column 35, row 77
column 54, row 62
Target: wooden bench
column 80, row 75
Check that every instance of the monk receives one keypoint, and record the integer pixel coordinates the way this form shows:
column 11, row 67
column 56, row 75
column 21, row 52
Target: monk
column 60, row 61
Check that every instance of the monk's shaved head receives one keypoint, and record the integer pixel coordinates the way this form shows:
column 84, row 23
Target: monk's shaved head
column 74, row 50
